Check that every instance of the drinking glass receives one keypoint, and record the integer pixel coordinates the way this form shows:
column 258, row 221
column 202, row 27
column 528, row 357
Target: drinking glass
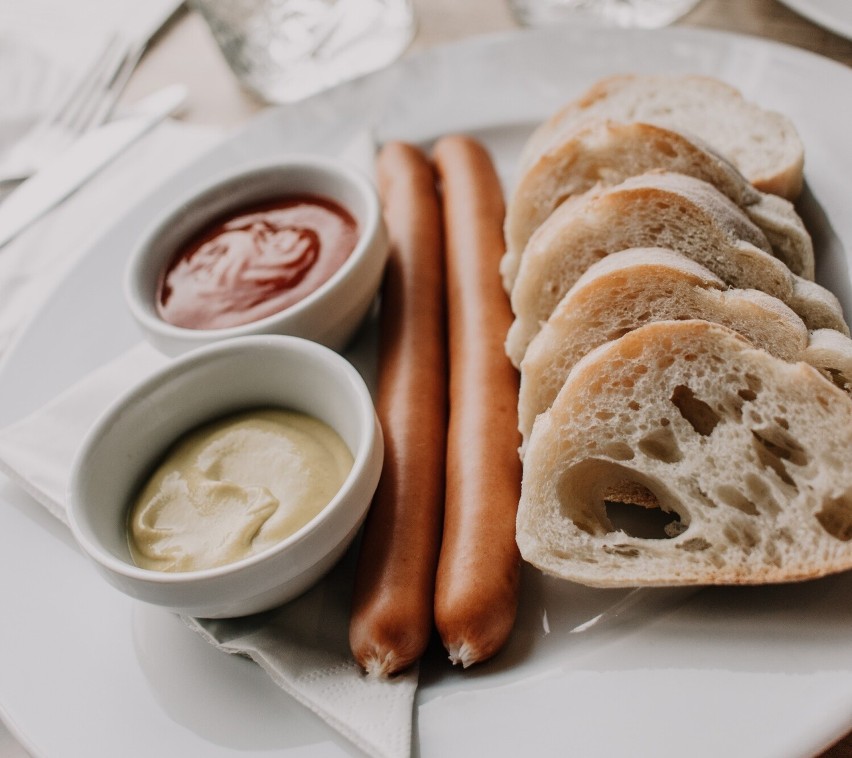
column 627, row 13
column 285, row 50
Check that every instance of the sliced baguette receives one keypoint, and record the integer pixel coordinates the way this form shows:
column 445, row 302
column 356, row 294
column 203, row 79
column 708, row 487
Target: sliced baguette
column 607, row 153
column 656, row 209
column 762, row 144
column 629, row 289
column 753, row 454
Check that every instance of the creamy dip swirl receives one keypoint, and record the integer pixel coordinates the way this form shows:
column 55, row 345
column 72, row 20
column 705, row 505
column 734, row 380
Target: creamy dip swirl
column 259, row 262
column 235, row 487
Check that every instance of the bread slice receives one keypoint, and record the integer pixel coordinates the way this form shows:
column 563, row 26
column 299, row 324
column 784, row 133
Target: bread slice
column 748, row 455
column 656, row 209
column 631, row 288
column 607, row 153
column 762, row 144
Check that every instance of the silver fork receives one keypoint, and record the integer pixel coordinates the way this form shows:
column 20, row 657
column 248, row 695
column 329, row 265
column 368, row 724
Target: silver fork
column 87, row 104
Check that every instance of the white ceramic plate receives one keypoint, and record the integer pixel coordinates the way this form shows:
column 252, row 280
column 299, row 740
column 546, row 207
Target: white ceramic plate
column 834, row 15
column 765, row 671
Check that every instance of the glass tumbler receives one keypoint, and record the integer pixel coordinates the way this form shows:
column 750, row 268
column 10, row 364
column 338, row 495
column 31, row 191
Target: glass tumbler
column 647, row 14
column 285, row 50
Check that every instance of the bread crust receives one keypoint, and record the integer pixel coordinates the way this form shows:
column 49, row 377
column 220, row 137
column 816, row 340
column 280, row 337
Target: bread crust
column 606, row 153
column 679, row 212
column 631, row 288
column 763, row 144
column 753, row 454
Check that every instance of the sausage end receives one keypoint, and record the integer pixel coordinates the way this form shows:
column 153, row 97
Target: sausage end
column 382, row 664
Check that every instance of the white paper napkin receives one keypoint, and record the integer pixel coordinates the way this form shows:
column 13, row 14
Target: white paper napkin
column 45, row 44
column 303, row 647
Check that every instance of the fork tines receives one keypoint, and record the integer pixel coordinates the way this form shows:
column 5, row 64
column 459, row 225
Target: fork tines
column 93, row 96
column 87, row 104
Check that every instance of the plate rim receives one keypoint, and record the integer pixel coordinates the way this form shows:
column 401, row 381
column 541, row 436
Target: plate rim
column 258, row 122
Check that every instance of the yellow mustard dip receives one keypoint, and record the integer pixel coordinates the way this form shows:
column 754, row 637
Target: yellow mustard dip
column 235, row 487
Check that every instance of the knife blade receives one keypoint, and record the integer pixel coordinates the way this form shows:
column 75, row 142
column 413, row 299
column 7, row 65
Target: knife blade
column 86, row 157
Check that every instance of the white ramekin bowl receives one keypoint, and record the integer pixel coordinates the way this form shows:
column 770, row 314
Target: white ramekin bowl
column 132, row 435
column 329, row 315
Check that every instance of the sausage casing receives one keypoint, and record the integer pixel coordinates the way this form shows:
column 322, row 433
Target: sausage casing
column 392, row 621
column 479, row 567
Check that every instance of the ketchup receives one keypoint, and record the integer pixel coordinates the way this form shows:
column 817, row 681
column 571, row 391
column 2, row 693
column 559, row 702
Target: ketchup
column 258, row 262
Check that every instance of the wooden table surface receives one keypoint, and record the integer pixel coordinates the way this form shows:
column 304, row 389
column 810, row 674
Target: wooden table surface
column 184, row 51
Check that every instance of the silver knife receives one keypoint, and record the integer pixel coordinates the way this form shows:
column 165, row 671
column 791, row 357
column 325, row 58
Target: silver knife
column 82, row 160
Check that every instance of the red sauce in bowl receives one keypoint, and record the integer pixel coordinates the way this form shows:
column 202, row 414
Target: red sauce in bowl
column 255, row 263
